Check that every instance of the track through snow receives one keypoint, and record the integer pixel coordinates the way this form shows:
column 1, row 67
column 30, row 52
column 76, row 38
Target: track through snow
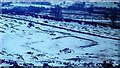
column 53, row 44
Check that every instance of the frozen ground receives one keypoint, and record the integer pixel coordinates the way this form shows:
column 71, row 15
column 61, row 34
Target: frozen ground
column 42, row 43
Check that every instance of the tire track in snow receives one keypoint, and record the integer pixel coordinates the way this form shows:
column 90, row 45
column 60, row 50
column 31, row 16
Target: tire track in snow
column 94, row 43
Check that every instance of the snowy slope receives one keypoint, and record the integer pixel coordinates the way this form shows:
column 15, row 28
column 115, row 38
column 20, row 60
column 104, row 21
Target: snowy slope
column 87, row 4
column 39, row 44
column 66, row 4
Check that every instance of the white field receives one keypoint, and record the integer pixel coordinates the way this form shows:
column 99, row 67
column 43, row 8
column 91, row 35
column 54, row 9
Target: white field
column 45, row 42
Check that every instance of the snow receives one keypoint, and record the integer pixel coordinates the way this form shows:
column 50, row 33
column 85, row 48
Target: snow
column 27, row 5
column 106, row 4
column 87, row 4
column 48, row 42
column 63, row 3
column 75, row 26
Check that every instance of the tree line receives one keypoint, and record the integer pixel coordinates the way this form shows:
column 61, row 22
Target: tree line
column 56, row 10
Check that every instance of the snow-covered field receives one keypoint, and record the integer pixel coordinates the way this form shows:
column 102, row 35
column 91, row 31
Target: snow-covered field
column 43, row 43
